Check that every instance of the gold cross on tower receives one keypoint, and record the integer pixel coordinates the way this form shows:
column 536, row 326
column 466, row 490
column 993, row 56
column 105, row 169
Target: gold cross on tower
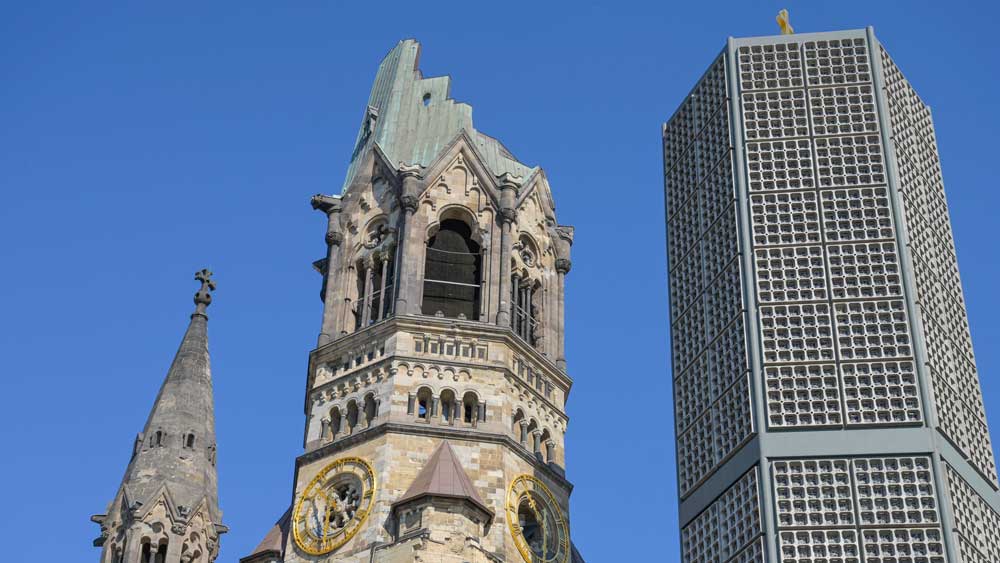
column 784, row 23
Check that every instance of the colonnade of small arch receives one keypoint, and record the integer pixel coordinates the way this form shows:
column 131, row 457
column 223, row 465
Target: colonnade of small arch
column 350, row 417
column 533, row 437
column 447, row 407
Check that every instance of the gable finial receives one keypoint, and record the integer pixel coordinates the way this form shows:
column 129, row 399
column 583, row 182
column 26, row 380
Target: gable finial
column 203, row 298
column 784, row 23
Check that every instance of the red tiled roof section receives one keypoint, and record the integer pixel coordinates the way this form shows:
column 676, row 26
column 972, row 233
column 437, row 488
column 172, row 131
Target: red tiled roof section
column 443, row 476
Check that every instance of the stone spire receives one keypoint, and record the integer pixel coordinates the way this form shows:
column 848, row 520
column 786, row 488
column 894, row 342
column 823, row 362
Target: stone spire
column 168, row 499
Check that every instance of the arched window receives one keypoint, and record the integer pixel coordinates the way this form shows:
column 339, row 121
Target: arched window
column 470, row 408
column 424, row 399
column 371, row 410
column 158, row 439
column 335, row 417
column 352, row 416
column 452, row 272
column 525, row 303
column 376, row 278
column 448, row 406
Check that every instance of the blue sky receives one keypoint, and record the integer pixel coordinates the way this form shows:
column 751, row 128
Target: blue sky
column 142, row 141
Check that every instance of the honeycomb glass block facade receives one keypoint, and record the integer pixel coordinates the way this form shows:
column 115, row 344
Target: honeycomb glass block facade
column 827, row 403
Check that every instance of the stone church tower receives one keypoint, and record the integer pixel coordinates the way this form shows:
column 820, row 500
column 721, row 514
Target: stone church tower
column 167, row 506
column 435, row 403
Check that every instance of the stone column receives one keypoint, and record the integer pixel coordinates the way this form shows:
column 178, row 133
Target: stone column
column 515, row 300
column 345, row 427
column 176, row 542
column 133, row 544
column 334, row 238
column 550, row 450
column 564, row 240
column 324, row 429
column 536, row 442
column 381, row 294
column 410, row 242
column 366, row 300
column 509, row 185
column 524, row 433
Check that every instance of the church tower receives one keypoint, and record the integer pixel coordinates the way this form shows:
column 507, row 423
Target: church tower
column 435, row 399
column 167, row 506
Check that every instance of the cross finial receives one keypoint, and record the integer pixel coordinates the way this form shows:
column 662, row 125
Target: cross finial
column 784, row 23
column 203, row 298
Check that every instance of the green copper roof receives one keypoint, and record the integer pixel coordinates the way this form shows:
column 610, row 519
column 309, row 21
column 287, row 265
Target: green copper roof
column 412, row 118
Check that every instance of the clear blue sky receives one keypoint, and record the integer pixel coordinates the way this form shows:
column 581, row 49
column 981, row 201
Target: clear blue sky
column 141, row 141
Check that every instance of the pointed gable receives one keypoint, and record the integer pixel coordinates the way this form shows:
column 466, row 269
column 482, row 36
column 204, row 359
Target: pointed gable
column 443, row 476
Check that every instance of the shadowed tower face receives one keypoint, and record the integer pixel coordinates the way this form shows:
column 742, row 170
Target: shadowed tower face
column 435, row 404
column 827, row 404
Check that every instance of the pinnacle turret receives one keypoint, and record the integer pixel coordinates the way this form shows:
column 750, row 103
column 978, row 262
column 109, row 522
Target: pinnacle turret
column 171, row 478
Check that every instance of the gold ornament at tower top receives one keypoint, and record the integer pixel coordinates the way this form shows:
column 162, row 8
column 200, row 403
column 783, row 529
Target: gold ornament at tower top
column 784, row 23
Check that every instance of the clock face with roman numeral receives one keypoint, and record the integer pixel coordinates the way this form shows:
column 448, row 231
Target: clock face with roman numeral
column 334, row 506
column 536, row 522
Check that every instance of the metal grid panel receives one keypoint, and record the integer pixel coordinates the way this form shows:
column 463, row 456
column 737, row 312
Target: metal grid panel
column 849, row 161
column 687, row 337
column 686, row 283
column 796, row 333
column 881, row 393
column 837, row 61
column 910, row 545
column 718, row 195
column 881, row 509
column 729, row 529
column 739, row 514
column 770, row 66
column 753, row 553
column 692, row 393
column 895, row 491
column 727, row 356
column 975, row 522
column 872, row 330
column 813, row 493
column 784, row 218
column 819, row 546
column 811, row 271
column 843, row 110
column 803, row 395
column 700, row 538
column 777, row 114
column 684, row 232
column 724, row 300
column 695, row 453
column 857, row 214
column 720, row 245
column 790, row 274
column 732, row 419
column 941, row 305
column 864, row 270
column 780, row 165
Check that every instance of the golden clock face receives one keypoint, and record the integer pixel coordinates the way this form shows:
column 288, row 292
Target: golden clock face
column 536, row 522
column 334, row 506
